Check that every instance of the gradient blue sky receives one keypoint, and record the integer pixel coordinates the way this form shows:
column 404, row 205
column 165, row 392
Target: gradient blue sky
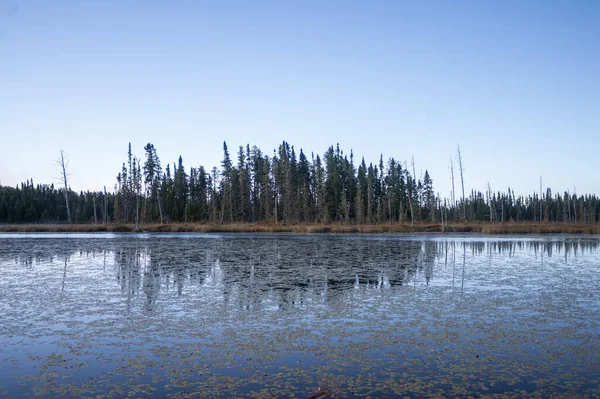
column 515, row 83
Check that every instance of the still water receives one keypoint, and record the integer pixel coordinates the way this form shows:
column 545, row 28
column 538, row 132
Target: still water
column 259, row 316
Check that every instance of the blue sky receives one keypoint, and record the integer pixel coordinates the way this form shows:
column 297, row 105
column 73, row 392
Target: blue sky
column 515, row 83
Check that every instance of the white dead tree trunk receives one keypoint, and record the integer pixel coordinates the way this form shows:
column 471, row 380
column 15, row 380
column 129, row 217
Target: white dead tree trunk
column 105, row 207
column 413, row 167
column 213, row 197
column 574, row 202
column 491, row 203
column 439, row 206
column 138, row 187
column 462, row 182
column 412, row 215
column 146, row 196
column 453, row 198
column 95, row 215
column 137, row 211
column 568, row 208
column 541, row 198
column 63, row 163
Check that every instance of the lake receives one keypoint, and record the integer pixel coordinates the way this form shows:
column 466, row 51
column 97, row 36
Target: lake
column 267, row 316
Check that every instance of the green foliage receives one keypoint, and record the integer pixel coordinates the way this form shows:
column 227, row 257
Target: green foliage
column 45, row 204
column 285, row 188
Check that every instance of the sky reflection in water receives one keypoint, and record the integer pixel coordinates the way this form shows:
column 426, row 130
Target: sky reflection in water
column 267, row 316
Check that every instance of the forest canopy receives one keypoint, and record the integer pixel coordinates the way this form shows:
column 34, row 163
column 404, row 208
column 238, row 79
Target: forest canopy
column 287, row 187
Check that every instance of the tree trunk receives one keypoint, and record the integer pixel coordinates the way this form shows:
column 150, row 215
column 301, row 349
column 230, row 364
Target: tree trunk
column 160, row 209
column 63, row 166
column 95, row 216
column 462, row 182
column 222, row 211
column 137, row 210
column 412, row 214
column 275, row 208
column 541, row 206
column 453, row 203
column 105, row 207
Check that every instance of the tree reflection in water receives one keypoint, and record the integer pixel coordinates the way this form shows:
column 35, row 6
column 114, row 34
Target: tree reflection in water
column 192, row 308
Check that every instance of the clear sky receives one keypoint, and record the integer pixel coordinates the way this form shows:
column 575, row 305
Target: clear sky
column 515, row 83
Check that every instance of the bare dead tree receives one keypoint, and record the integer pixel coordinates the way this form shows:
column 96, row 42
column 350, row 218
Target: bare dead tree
column 275, row 188
column 105, row 207
column 541, row 198
column 462, row 182
column 574, row 202
column 413, row 167
column 63, row 164
column 138, row 187
column 568, row 207
column 412, row 215
column 95, row 215
column 213, row 196
column 491, row 203
column 146, row 195
column 453, row 198
column 410, row 194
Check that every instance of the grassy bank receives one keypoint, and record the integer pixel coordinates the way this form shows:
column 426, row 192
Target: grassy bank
column 500, row 228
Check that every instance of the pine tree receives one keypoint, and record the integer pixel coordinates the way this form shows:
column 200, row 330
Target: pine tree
column 428, row 198
column 180, row 192
column 227, row 186
column 243, row 191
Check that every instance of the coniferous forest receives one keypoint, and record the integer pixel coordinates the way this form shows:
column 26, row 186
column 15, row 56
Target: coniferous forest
column 285, row 188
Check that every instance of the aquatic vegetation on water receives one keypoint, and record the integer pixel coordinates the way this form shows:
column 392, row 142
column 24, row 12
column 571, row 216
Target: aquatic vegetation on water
column 188, row 316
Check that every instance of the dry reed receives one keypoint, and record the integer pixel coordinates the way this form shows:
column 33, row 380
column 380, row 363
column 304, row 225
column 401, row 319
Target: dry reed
column 499, row 228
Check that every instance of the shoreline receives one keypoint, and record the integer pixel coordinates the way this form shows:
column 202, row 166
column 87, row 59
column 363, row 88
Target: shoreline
column 482, row 228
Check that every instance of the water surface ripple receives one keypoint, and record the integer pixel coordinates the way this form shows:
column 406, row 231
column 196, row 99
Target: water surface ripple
column 263, row 316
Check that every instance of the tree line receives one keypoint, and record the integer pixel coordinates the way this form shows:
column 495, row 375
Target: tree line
column 284, row 187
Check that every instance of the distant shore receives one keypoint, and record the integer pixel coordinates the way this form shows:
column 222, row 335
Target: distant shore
column 483, row 228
